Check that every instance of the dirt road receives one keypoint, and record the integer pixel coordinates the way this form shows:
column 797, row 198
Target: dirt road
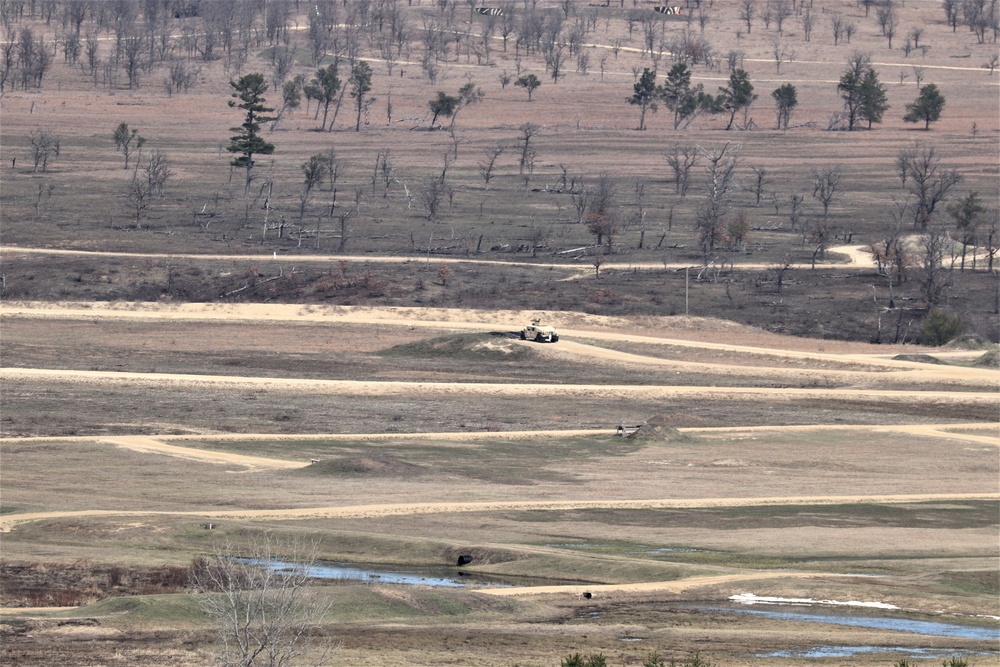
column 856, row 257
column 9, row 521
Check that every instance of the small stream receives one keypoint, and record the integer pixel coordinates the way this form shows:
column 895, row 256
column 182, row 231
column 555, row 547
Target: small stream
column 867, row 620
column 446, row 577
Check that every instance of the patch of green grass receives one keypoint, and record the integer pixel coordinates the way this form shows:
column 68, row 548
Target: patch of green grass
column 471, row 347
column 176, row 610
column 990, row 359
column 977, row 582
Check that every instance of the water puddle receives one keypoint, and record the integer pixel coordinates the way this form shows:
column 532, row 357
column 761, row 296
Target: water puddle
column 431, row 576
column 897, row 624
column 849, row 651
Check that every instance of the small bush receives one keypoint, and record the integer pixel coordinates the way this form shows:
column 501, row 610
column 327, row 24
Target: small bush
column 577, row 660
column 938, row 328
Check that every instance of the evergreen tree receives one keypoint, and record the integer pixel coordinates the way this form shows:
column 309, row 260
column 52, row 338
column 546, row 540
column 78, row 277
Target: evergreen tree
column 324, row 88
column 443, row 105
column 785, row 100
column 737, row 96
column 644, row 95
column 247, row 142
column 873, row 100
column 927, row 107
column 361, row 83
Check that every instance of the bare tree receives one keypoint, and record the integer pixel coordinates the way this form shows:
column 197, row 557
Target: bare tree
column 147, row 182
column 748, row 8
column 760, row 181
column 721, row 170
column 527, row 160
column 837, row 25
column 808, row 21
column 922, row 175
column 826, row 182
column 264, row 611
column 782, row 10
column 681, row 159
column 487, row 167
column 602, row 211
column 44, row 147
column 935, row 277
column 781, row 52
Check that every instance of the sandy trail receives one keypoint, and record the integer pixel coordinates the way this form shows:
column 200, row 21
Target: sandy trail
column 375, row 511
column 674, row 586
column 155, row 445
column 857, row 258
column 397, row 388
column 453, row 319
column 159, row 444
column 9, row 521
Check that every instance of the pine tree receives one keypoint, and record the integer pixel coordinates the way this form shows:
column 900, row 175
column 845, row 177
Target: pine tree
column 927, row 107
column 247, row 142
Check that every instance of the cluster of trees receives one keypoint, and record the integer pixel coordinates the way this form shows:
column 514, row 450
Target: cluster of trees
column 688, row 101
column 863, row 94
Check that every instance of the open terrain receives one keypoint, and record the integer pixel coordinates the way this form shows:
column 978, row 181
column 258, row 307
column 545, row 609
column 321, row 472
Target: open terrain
column 340, row 366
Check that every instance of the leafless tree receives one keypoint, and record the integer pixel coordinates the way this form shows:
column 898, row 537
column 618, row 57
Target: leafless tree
column 837, row 25
column 826, row 183
column 147, row 182
column 808, row 21
column 920, row 171
column 602, row 211
column 720, row 168
column 748, row 8
column 45, row 146
column 935, row 277
column 264, row 612
column 781, row 52
column 681, row 160
column 760, row 181
column 782, row 10
column 849, row 29
column 486, row 168
column 795, row 201
column 888, row 20
column 527, row 160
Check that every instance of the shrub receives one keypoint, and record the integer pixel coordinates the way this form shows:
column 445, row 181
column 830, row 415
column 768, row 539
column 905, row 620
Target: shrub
column 577, row 660
column 938, row 328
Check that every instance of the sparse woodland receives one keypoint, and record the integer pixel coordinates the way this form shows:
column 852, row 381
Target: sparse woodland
column 743, row 143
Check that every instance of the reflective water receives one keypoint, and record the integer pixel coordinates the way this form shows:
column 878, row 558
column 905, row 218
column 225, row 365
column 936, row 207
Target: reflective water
column 927, row 628
column 848, row 651
column 431, row 576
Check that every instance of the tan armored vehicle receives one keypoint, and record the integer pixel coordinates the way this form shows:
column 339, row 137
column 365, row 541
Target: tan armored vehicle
column 539, row 332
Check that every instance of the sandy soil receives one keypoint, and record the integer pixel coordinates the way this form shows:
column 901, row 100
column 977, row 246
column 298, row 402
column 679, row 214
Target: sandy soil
column 9, row 521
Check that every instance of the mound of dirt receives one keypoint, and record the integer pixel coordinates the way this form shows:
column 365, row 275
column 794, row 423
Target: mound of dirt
column 657, row 429
column 989, row 360
column 362, row 466
column 967, row 342
column 919, row 358
column 482, row 347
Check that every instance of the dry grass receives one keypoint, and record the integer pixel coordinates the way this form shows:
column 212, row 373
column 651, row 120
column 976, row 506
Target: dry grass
column 935, row 556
